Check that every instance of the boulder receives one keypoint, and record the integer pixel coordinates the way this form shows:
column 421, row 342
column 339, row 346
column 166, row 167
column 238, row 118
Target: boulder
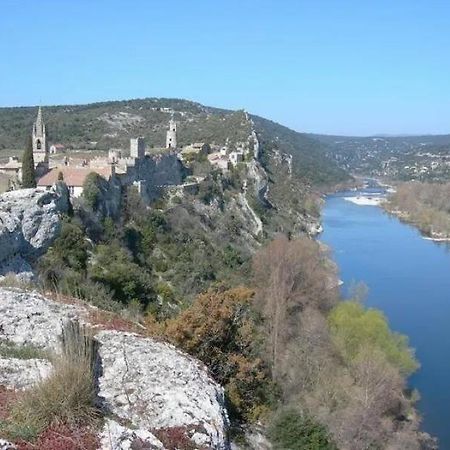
column 30, row 220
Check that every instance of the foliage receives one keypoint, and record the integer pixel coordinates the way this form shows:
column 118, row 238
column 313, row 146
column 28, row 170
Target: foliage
column 92, row 191
column 28, row 172
column 426, row 205
column 289, row 275
column 291, row 430
column 220, row 329
column 355, row 330
column 113, row 267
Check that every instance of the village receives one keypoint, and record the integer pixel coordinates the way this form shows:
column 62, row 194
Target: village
column 148, row 170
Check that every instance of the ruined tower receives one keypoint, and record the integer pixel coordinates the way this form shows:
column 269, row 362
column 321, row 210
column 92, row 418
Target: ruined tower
column 39, row 138
column 137, row 148
column 171, row 139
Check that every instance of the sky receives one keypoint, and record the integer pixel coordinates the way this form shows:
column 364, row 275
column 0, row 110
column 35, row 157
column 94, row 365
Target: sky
column 356, row 67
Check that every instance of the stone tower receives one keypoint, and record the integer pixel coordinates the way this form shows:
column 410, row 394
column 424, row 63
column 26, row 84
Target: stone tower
column 39, row 138
column 137, row 148
column 171, row 139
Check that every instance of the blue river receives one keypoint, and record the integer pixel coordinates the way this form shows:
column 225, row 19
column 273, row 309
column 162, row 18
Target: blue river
column 409, row 280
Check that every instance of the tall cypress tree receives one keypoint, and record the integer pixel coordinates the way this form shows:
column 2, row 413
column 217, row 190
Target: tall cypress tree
column 28, row 173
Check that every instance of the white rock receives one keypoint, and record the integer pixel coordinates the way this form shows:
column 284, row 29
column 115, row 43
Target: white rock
column 173, row 389
column 22, row 373
column 29, row 318
column 5, row 445
column 116, row 437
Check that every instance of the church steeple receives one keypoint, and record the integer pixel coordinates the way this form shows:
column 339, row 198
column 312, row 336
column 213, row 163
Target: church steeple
column 40, row 152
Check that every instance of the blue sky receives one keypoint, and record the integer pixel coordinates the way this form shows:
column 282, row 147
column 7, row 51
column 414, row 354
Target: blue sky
column 337, row 67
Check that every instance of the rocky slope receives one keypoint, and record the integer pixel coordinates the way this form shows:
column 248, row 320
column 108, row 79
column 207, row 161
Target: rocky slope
column 143, row 385
column 30, row 219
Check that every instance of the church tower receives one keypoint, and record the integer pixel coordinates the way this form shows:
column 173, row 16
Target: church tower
column 39, row 138
column 171, row 139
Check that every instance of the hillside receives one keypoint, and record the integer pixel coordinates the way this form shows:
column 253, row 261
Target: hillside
column 423, row 158
column 100, row 126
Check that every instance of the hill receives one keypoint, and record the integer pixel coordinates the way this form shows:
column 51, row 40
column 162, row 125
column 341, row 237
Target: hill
column 100, row 126
column 397, row 157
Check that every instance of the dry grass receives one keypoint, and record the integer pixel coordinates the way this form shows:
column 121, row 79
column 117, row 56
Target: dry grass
column 67, row 396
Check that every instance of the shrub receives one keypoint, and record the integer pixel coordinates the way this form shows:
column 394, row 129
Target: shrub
column 291, row 430
column 66, row 396
column 220, row 329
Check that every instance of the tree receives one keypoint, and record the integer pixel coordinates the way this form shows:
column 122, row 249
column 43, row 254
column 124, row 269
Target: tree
column 357, row 331
column 290, row 276
column 294, row 431
column 28, row 172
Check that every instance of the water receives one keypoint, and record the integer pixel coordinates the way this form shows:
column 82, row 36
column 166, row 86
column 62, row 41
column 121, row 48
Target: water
column 409, row 279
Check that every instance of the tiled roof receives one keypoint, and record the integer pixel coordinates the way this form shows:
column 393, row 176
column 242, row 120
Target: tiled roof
column 72, row 176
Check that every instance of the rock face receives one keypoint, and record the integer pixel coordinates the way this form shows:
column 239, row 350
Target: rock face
column 146, row 385
column 30, row 219
column 173, row 390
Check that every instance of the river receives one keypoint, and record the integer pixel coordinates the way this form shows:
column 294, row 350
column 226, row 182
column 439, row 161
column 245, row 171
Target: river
column 409, row 280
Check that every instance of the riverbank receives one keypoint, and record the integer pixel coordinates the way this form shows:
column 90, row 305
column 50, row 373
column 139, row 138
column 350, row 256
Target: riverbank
column 423, row 205
column 399, row 268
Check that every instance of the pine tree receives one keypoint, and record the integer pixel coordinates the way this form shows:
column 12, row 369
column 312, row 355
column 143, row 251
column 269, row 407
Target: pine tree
column 28, row 173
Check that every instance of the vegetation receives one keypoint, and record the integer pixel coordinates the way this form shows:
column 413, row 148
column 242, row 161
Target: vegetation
column 426, row 205
column 357, row 331
column 67, row 396
column 28, row 173
column 335, row 362
column 220, row 329
column 291, row 430
column 10, row 350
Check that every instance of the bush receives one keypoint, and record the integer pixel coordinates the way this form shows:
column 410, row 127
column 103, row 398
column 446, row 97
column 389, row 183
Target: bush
column 292, row 431
column 220, row 329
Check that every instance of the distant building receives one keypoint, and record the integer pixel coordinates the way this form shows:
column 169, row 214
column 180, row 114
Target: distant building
column 13, row 168
column 171, row 137
column 74, row 177
column 198, row 148
column 56, row 148
column 236, row 157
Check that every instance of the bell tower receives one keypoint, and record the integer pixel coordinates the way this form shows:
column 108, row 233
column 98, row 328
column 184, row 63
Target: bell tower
column 39, row 138
column 171, row 138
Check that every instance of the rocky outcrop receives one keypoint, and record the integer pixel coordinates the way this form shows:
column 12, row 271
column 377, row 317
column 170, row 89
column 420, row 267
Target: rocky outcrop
column 30, row 219
column 143, row 384
column 22, row 373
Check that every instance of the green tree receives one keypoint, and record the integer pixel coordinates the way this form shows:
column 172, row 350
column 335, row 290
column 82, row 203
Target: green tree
column 355, row 330
column 292, row 431
column 28, row 172
column 91, row 190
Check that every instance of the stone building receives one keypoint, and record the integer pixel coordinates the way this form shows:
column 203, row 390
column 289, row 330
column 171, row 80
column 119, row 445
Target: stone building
column 171, row 138
column 39, row 139
column 137, row 147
